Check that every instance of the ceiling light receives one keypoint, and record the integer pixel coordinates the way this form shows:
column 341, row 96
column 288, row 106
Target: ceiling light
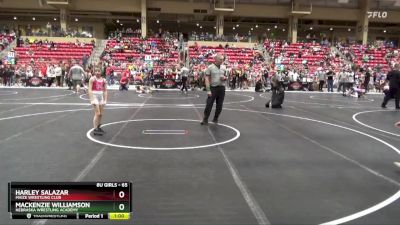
column 15, row 18
column 275, row 26
column 233, row 28
column 331, row 29
column 251, row 28
column 215, row 27
column 237, row 25
column 197, row 24
column 76, row 19
column 311, row 28
column 55, row 19
column 137, row 21
column 349, row 29
column 201, row 27
column 33, row 18
column 117, row 21
column 121, row 24
column 268, row 29
column 256, row 25
column 283, row 30
column 384, row 31
column 158, row 21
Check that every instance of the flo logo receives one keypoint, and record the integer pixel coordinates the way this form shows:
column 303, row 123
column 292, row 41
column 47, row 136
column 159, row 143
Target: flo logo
column 35, row 81
column 377, row 14
column 169, row 83
column 296, row 86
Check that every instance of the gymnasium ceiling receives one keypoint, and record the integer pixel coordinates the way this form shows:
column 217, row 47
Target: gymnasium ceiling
column 375, row 4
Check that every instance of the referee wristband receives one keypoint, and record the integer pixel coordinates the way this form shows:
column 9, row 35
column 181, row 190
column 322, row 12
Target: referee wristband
column 208, row 88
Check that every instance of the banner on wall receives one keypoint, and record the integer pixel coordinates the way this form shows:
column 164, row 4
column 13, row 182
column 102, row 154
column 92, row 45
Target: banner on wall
column 10, row 58
column 148, row 61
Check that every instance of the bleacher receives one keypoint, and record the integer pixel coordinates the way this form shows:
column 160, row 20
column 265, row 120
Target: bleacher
column 61, row 51
column 243, row 55
column 129, row 49
column 393, row 56
column 376, row 56
column 296, row 54
column 123, row 52
column 42, row 55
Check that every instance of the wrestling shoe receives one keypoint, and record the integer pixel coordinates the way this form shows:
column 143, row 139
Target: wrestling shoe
column 204, row 122
column 100, row 130
column 97, row 132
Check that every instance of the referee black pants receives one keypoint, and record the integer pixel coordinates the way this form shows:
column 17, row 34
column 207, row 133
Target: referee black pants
column 184, row 83
column 321, row 85
column 392, row 93
column 218, row 95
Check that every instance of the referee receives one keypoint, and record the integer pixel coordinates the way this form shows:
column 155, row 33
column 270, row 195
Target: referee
column 184, row 77
column 215, row 78
column 398, row 126
column 76, row 74
column 394, row 87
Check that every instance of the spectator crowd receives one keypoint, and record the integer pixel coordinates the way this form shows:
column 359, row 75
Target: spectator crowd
column 309, row 66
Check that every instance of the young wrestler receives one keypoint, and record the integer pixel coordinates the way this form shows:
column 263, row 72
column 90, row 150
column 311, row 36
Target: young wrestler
column 98, row 98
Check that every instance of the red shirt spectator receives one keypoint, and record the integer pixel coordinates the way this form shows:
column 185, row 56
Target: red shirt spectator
column 124, row 80
column 43, row 70
column 126, row 73
column 108, row 71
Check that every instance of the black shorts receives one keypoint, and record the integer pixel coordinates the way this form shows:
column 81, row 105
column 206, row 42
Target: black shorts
column 76, row 82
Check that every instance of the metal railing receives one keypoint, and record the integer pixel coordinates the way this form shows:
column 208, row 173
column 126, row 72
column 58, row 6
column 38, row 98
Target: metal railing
column 99, row 49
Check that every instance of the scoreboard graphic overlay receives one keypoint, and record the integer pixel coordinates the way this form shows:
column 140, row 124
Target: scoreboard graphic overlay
column 70, row 200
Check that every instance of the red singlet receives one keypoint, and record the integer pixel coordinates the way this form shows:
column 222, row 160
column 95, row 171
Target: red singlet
column 98, row 85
